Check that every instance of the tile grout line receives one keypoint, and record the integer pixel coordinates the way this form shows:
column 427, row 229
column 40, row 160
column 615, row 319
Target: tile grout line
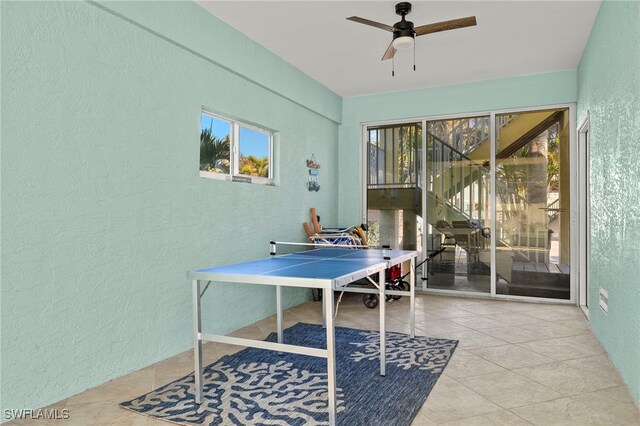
column 472, row 391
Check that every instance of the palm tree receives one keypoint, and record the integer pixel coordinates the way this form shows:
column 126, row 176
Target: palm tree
column 251, row 165
column 214, row 152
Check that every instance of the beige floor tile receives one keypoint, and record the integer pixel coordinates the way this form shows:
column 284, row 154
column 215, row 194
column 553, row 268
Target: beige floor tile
column 511, row 356
column 569, row 379
column 465, row 364
column 316, row 319
column 483, row 308
column 477, row 322
column 391, row 324
column 449, row 400
column 551, row 329
column 472, row 339
column 474, row 388
column 508, row 389
column 103, row 413
column 421, row 419
column 521, row 307
column 175, row 368
column 569, row 411
column 616, row 400
column 556, row 313
column 250, row 332
column 269, row 324
column 513, row 334
column 586, row 342
column 462, row 305
column 449, row 312
column 120, row 389
column 600, row 362
column 564, row 348
column 440, row 328
column 348, row 317
column 307, row 309
column 211, row 352
column 465, row 302
column 512, row 318
column 500, row 418
column 151, row 421
column 579, row 323
column 421, row 317
column 424, row 302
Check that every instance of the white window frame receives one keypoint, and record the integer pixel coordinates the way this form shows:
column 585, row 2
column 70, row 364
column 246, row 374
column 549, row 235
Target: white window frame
column 234, row 147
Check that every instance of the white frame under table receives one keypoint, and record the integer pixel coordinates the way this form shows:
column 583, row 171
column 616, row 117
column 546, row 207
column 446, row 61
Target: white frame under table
column 328, row 286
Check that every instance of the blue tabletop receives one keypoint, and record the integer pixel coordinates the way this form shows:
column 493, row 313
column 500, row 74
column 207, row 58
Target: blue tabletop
column 321, row 263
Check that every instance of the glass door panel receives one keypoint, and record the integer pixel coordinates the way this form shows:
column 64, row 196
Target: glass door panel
column 394, row 203
column 457, row 216
column 532, row 204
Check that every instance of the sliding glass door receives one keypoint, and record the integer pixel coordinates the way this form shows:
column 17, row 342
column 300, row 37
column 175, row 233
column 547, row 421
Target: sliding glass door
column 532, row 204
column 394, row 196
column 487, row 202
column 457, row 200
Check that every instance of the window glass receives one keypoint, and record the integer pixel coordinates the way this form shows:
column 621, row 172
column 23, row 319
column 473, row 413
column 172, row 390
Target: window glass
column 215, row 144
column 254, row 147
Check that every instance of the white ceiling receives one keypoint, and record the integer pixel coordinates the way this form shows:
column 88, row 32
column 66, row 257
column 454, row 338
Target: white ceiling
column 512, row 38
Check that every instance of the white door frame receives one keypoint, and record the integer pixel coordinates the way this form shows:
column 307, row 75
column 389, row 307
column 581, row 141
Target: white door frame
column 584, row 215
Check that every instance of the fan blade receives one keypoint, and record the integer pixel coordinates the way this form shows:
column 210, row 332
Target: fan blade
column 371, row 23
column 390, row 53
column 453, row 24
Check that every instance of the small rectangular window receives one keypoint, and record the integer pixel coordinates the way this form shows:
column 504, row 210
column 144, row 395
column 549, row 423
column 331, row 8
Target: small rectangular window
column 235, row 151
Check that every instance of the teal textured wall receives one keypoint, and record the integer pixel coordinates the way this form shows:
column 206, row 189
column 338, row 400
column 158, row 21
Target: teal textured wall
column 609, row 91
column 103, row 211
column 518, row 92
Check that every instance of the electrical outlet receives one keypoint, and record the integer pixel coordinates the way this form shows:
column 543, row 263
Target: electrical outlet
column 603, row 300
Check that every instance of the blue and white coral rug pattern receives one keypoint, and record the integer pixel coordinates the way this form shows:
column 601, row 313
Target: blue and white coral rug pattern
column 260, row 387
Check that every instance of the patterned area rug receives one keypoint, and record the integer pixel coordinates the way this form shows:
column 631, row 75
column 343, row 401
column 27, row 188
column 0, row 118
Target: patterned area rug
column 259, row 387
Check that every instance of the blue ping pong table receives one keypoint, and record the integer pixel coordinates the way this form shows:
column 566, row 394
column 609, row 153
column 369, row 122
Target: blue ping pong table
column 330, row 269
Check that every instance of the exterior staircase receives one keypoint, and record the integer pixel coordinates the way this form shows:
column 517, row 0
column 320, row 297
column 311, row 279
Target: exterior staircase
column 457, row 189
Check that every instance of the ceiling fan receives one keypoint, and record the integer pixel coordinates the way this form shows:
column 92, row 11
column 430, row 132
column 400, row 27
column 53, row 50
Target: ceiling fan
column 404, row 33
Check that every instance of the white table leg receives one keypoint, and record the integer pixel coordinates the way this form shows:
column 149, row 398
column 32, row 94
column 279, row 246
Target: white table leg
column 383, row 337
column 327, row 295
column 197, row 341
column 279, row 313
column 412, row 304
column 324, row 312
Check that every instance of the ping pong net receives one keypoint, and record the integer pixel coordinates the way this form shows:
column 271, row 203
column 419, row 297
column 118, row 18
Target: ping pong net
column 328, row 251
column 346, row 259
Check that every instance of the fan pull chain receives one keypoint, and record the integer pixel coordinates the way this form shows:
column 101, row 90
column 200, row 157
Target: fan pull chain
column 393, row 66
column 414, row 53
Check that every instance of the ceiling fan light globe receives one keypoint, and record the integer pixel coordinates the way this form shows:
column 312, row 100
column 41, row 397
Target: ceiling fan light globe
column 403, row 43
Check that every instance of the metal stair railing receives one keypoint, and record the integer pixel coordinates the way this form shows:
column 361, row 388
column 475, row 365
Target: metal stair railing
column 553, row 209
column 461, row 172
column 465, row 138
column 511, row 202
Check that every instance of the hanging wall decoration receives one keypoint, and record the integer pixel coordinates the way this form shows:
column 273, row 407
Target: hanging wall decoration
column 313, row 174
